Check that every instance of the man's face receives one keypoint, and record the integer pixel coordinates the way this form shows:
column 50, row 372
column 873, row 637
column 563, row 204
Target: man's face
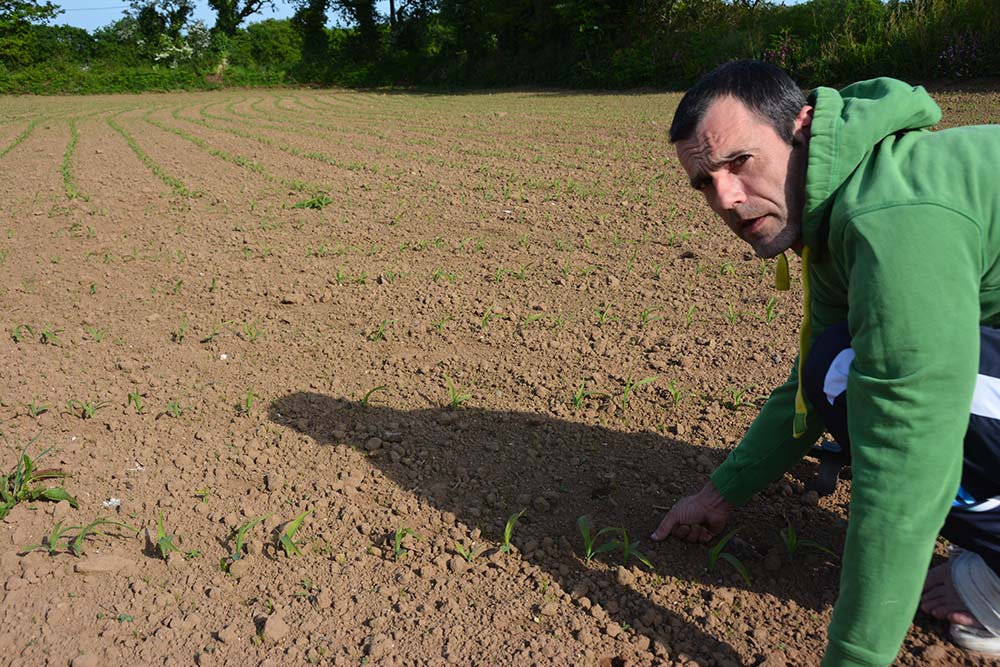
column 751, row 178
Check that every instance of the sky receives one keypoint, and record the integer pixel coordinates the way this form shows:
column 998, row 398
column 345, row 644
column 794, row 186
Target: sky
column 92, row 14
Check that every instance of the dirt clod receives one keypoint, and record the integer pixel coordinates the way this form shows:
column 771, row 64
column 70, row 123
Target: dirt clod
column 275, row 628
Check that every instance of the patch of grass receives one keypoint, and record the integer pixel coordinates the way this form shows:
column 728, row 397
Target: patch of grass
column 75, row 544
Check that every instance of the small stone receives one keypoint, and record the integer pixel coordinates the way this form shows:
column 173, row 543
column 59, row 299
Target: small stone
column 625, row 576
column 373, row 444
column 810, row 498
column 612, row 629
column 293, row 298
column 458, row 565
column 102, row 565
column 392, row 436
column 85, row 660
column 61, row 509
column 324, row 599
column 275, row 628
column 239, row 568
column 642, row 643
column 227, row 635
column 936, row 654
column 549, row 609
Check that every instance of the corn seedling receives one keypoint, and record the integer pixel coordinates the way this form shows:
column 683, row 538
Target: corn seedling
column 647, row 317
column 455, row 395
column 367, row 397
column 604, row 316
column 379, row 333
column 176, row 289
column 732, row 315
column 716, row 553
column 22, row 331
column 74, row 544
column 252, row 331
column 164, row 542
column 22, row 483
column 286, row 539
column 689, row 316
column 97, row 334
column 178, row 335
column 628, row 549
column 317, row 203
column 582, row 395
column 590, row 539
column 247, row 404
column 439, row 325
column 441, row 273
column 508, row 530
column 727, row 269
column 631, row 386
column 531, row 319
column 50, row 336
column 51, row 542
column 241, row 533
column 86, row 410
column 487, row 317
column 35, row 410
column 470, row 552
column 398, row 550
column 676, row 395
column 736, row 398
column 771, row 310
column 174, row 409
column 135, row 399
column 203, row 495
column 216, row 330
column 793, row 542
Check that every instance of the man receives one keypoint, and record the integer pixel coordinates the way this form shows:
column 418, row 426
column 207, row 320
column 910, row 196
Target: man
column 898, row 228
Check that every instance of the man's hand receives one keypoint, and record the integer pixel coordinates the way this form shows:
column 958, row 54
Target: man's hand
column 696, row 518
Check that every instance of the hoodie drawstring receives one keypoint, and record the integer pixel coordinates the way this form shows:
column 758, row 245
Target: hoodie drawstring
column 781, row 282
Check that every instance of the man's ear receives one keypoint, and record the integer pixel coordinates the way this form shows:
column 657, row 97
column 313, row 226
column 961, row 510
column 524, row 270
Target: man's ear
column 802, row 126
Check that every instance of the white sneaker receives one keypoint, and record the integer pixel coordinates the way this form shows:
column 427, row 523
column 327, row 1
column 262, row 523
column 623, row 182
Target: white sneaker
column 975, row 639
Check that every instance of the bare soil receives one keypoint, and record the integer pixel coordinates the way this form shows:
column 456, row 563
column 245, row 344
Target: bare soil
column 298, row 285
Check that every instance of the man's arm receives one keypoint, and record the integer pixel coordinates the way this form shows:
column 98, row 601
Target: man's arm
column 768, row 449
column 914, row 315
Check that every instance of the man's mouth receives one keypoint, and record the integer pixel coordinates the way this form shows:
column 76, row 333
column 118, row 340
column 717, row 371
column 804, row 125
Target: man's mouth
column 749, row 224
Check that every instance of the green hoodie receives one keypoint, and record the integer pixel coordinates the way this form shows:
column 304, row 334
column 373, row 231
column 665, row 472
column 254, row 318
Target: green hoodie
column 903, row 226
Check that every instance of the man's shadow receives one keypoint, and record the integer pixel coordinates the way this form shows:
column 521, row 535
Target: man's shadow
column 483, row 466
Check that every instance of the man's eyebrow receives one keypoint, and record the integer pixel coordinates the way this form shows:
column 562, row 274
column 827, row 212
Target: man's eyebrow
column 699, row 179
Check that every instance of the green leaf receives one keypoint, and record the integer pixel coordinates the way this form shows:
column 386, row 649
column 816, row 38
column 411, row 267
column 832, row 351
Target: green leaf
column 738, row 566
column 55, row 494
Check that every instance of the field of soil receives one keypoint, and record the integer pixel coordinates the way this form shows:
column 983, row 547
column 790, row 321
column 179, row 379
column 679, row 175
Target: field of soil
column 409, row 317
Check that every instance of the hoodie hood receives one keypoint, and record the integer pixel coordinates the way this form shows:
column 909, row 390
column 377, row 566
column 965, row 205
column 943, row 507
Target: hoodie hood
column 846, row 125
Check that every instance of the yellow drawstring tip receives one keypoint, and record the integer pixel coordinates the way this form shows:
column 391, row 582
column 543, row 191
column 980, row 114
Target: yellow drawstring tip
column 799, row 425
column 781, row 280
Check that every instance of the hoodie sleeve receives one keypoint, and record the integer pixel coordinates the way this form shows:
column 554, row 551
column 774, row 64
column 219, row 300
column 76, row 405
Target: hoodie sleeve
column 914, row 316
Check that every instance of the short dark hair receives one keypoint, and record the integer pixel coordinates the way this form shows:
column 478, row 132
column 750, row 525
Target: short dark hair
column 763, row 88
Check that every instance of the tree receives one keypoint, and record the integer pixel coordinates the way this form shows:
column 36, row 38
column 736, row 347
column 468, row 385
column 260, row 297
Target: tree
column 362, row 13
column 231, row 13
column 16, row 19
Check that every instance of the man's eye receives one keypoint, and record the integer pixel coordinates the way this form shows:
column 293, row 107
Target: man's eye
column 740, row 161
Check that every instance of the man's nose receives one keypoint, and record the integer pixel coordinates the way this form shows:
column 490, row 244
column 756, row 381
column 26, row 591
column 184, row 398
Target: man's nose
column 728, row 191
